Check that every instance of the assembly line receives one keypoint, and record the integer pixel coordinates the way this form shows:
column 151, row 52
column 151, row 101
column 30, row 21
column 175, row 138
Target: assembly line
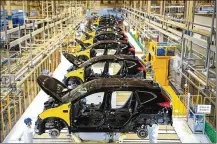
column 82, row 72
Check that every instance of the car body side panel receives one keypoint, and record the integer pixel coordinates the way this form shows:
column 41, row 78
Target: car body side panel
column 76, row 73
column 90, row 41
column 92, row 33
column 61, row 112
column 85, row 53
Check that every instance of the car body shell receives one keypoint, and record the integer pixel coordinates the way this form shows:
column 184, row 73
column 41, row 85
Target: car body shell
column 108, row 35
column 105, row 29
column 88, row 52
column 82, row 74
column 142, row 115
column 104, row 21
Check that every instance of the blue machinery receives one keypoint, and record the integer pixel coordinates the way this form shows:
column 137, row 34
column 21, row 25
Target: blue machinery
column 196, row 121
column 5, row 61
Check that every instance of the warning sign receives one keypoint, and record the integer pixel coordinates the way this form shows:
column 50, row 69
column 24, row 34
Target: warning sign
column 204, row 109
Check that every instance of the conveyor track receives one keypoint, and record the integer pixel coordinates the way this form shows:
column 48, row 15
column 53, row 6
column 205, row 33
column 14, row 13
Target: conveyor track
column 166, row 134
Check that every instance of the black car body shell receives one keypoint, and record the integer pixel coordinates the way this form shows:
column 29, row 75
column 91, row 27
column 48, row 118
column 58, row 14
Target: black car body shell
column 145, row 113
column 113, row 28
column 71, row 58
column 102, row 41
column 136, row 68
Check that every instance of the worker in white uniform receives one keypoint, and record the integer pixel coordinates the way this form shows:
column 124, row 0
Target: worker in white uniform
column 27, row 133
column 82, row 26
column 153, row 133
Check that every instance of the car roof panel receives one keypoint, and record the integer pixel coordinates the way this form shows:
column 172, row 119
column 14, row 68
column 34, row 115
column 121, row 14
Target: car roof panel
column 111, row 83
column 110, row 57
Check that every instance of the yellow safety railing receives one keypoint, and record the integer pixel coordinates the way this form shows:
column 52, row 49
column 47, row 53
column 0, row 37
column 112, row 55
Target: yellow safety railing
column 14, row 103
column 204, row 100
column 71, row 49
column 180, row 106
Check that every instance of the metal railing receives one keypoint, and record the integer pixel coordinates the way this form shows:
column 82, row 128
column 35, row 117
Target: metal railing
column 180, row 106
column 14, row 103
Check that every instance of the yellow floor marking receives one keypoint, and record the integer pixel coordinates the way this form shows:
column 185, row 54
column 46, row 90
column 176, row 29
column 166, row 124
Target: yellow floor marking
column 46, row 135
column 178, row 107
column 187, row 129
column 160, row 136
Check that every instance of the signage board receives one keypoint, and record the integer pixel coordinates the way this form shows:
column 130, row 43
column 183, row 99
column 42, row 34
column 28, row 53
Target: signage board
column 204, row 109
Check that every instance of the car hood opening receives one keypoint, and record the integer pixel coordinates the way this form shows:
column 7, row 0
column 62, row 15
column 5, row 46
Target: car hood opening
column 52, row 87
column 82, row 44
column 88, row 36
column 72, row 59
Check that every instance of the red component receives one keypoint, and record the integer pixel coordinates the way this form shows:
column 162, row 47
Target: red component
column 142, row 68
column 125, row 38
column 158, row 38
column 132, row 49
column 164, row 104
column 166, row 98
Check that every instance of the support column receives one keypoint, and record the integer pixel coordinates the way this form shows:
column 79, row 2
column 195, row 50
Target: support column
column 130, row 3
column 10, row 24
column 189, row 17
column 209, row 43
column 141, row 4
column 25, row 3
column 54, row 7
column 28, row 8
column 134, row 4
column 161, row 37
column 162, row 7
column 148, row 6
column 189, row 11
column 216, row 43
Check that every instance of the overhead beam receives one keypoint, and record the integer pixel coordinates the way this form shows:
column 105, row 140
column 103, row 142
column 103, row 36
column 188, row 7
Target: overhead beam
column 10, row 24
column 162, row 7
column 148, row 6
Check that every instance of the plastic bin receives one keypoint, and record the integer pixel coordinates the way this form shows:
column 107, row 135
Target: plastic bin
column 170, row 52
column 160, row 52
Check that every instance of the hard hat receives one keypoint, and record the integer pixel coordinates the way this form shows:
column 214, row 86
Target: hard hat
column 83, row 100
column 45, row 72
column 27, row 120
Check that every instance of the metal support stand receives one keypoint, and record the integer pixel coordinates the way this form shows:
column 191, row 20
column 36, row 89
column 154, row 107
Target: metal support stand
column 122, row 137
column 110, row 137
column 188, row 105
column 195, row 121
column 216, row 48
column 76, row 138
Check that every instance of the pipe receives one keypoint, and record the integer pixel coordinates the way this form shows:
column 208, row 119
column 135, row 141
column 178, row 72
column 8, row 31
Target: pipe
column 5, row 61
column 195, row 70
column 196, row 77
